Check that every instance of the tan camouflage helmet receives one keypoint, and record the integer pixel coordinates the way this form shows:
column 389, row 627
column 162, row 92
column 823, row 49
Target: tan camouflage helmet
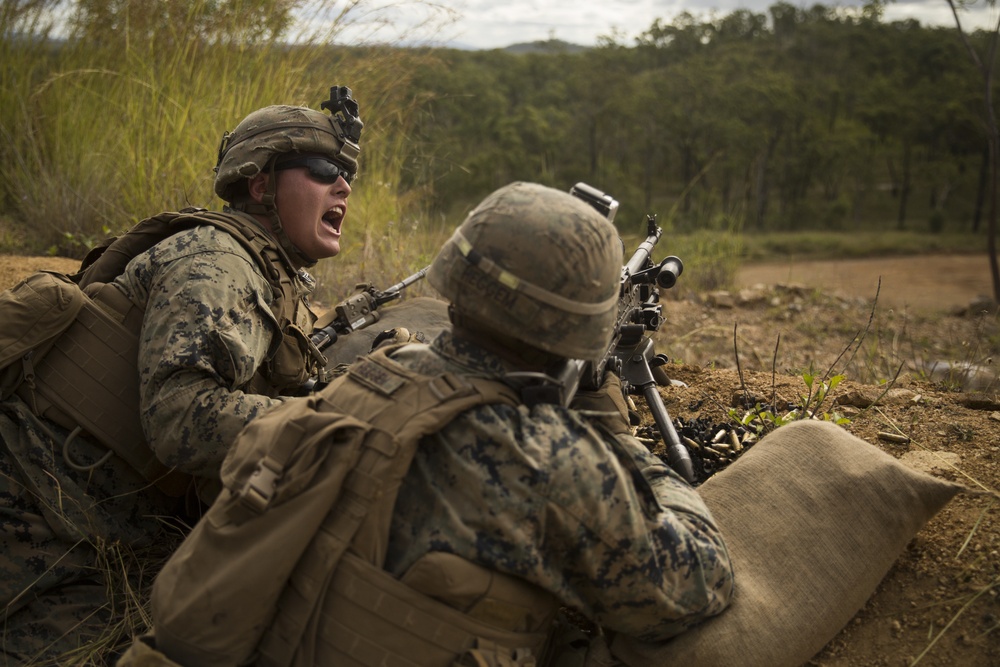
column 538, row 265
column 280, row 129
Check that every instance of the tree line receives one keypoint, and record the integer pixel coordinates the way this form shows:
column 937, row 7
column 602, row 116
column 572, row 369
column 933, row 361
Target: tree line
column 793, row 118
column 797, row 118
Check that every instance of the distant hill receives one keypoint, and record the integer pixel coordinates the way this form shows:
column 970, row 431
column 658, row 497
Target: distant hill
column 546, row 46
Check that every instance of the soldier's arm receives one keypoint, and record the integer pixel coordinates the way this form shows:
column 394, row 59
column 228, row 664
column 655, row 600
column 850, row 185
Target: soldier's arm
column 651, row 562
column 206, row 330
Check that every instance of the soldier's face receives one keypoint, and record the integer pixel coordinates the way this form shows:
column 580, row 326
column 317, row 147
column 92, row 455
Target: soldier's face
column 312, row 211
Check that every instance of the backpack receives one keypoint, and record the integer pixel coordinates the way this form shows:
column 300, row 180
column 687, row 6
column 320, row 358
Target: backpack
column 309, row 491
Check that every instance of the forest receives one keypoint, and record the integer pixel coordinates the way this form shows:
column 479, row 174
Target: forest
column 792, row 119
column 820, row 118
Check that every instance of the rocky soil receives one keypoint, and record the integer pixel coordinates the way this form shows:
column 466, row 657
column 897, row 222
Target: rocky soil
column 938, row 409
column 940, row 603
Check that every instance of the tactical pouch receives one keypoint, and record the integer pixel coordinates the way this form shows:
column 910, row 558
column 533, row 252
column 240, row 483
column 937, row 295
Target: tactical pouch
column 34, row 312
column 370, row 618
column 89, row 382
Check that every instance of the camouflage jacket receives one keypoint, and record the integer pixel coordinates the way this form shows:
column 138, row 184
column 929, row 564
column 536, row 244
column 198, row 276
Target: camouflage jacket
column 542, row 494
column 207, row 328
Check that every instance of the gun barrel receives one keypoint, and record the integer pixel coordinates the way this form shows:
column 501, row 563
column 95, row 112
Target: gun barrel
column 641, row 255
column 406, row 282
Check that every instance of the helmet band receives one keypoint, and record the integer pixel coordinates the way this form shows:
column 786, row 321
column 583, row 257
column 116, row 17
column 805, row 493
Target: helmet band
column 516, row 284
column 347, row 148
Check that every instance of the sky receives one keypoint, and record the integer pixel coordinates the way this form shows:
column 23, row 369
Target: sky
column 487, row 24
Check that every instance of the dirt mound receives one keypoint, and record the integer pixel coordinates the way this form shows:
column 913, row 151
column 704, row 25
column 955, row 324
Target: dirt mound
column 941, row 600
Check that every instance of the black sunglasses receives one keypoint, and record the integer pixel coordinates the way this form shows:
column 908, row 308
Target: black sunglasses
column 321, row 169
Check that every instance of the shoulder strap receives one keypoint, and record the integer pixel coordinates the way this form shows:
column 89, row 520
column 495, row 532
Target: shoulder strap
column 401, row 407
column 107, row 261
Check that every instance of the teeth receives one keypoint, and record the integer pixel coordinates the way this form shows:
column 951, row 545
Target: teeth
column 336, row 210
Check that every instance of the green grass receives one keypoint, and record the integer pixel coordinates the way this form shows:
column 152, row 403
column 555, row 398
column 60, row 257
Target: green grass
column 121, row 122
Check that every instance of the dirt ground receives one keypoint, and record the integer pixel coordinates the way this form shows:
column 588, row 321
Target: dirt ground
column 925, row 284
column 928, row 336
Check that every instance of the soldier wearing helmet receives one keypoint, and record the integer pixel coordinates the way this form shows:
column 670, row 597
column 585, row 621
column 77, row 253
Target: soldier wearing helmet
column 544, row 493
column 322, row 149
column 216, row 304
column 508, row 512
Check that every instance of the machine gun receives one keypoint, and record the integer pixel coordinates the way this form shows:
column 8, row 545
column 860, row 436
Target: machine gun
column 630, row 354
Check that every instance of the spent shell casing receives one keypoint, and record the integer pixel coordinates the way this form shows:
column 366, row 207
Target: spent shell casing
column 734, row 440
column 893, row 437
column 691, row 443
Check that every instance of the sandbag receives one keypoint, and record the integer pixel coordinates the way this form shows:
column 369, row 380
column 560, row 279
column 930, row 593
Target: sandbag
column 813, row 517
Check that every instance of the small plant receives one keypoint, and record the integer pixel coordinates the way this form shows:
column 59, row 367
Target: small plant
column 822, row 390
column 765, row 418
column 77, row 244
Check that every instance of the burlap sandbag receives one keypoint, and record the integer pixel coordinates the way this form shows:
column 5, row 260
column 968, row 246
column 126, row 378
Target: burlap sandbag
column 814, row 518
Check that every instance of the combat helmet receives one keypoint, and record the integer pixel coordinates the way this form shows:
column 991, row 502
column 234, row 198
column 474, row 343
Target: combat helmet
column 538, row 265
column 251, row 148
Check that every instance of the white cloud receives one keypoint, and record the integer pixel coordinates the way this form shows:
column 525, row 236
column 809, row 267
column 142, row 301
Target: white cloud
column 485, row 24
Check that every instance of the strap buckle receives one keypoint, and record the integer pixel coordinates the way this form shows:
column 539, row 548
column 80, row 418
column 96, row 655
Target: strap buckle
column 259, row 488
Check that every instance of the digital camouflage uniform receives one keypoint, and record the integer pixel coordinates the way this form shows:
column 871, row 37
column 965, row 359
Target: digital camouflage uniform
column 542, row 494
column 207, row 328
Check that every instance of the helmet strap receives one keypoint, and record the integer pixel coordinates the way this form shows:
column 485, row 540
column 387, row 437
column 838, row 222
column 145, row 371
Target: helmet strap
column 269, row 209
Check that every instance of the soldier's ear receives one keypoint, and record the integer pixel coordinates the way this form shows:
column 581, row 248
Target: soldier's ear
column 257, row 186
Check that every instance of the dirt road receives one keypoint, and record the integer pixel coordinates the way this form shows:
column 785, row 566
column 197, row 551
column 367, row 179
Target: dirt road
column 925, row 283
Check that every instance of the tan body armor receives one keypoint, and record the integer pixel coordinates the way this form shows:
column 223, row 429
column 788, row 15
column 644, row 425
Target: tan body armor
column 306, row 515
column 88, row 382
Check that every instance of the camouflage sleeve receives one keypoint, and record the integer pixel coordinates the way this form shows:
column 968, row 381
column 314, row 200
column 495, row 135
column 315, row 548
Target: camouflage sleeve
column 206, row 329
column 641, row 554
column 692, row 563
column 598, row 522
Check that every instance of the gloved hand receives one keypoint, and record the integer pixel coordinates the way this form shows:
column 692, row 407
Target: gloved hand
column 607, row 405
column 396, row 336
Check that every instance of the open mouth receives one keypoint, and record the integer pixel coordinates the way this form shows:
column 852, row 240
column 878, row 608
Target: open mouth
column 334, row 218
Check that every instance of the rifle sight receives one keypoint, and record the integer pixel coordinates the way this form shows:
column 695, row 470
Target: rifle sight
column 606, row 205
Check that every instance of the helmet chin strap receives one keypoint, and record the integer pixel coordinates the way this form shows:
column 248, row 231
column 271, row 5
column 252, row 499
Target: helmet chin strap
column 269, row 208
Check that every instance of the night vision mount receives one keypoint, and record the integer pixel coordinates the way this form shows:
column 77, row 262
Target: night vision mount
column 344, row 113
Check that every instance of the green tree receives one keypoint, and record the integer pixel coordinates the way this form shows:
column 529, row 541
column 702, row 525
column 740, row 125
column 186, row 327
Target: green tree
column 985, row 66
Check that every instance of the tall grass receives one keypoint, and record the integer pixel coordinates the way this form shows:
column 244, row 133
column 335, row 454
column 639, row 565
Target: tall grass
column 122, row 119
